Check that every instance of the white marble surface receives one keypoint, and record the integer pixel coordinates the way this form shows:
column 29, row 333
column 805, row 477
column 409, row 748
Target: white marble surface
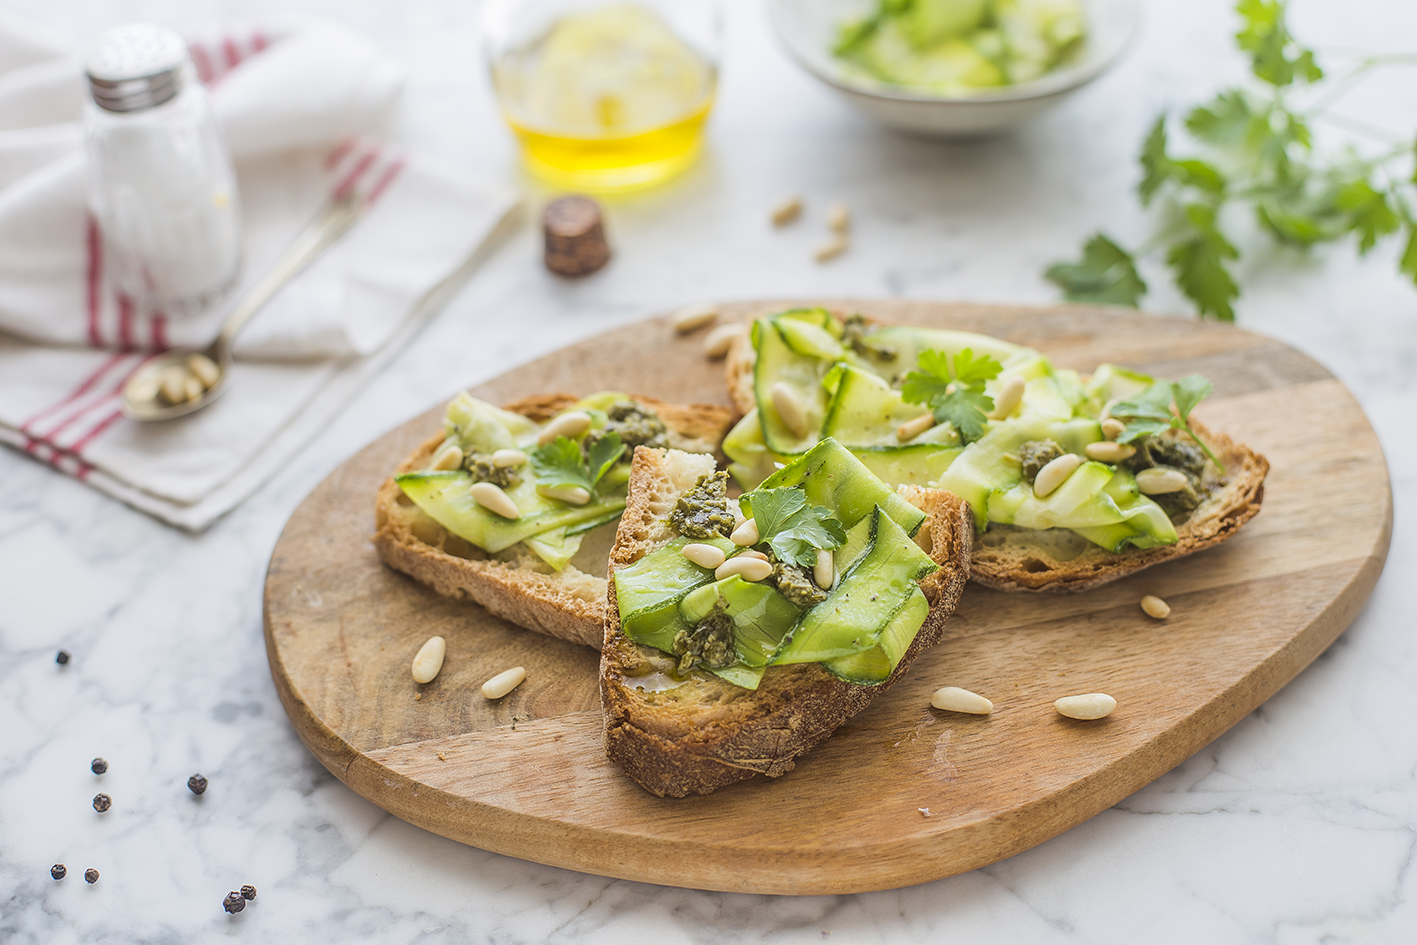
column 1298, row 826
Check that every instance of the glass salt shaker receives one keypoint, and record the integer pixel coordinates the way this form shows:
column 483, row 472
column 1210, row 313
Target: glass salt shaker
column 160, row 182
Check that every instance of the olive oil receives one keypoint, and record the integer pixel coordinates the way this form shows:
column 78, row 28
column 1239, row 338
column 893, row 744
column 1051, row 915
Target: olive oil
column 606, row 100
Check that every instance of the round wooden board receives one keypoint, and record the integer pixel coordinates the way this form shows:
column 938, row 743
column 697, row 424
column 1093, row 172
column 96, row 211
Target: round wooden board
column 902, row 793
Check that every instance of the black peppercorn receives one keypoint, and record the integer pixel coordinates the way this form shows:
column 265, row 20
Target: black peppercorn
column 90, row 875
column 99, row 765
column 233, row 902
column 102, row 802
column 197, row 784
column 58, row 871
column 248, row 891
column 61, row 657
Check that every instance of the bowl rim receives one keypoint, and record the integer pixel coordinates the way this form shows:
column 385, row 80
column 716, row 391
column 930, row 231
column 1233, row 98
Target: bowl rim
column 1045, row 86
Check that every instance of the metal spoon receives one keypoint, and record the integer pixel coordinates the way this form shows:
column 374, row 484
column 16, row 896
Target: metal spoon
column 142, row 394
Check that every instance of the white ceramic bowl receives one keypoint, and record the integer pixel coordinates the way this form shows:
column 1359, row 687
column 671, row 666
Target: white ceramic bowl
column 808, row 28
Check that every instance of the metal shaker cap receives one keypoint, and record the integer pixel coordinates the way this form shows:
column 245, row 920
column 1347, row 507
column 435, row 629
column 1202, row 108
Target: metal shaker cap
column 136, row 66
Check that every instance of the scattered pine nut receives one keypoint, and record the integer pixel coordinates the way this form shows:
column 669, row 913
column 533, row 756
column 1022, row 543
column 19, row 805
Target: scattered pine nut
column 1093, row 705
column 839, row 217
column 1106, row 451
column 429, row 660
column 718, row 341
column 825, row 571
column 705, row 556
column 910, row 429
column 1159, row 480
column 569, row 424
column 1054, row 474
column 491, row 497
column 789, row 408
column 1112, row 428
column 693, row 317
column 505, row 458
column 504, row 682
column 786, row 210
column 576, row 495
column 1155, row 607
column 745, row 566
column 449, row 456
column 745, row 534
column 831, row 249
column 955, row 699
column 1010, row 393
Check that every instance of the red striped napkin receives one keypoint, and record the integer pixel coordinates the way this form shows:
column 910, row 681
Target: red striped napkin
column 298, row 103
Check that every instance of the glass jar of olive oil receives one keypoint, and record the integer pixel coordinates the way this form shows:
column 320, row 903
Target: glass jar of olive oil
column 605, row 96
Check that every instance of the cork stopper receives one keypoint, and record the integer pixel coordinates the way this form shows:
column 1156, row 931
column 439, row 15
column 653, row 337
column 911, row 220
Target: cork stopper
column 575, row 236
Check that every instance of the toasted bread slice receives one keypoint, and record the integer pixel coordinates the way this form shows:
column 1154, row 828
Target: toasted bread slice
column 1022, row 559
column 516, row 585
column 705, row 732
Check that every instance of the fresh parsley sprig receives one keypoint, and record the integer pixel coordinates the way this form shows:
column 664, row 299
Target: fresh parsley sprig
column 1164, row 406
column 1256, row 151
column 955, row 395
column 561, row 462
column 792, row 527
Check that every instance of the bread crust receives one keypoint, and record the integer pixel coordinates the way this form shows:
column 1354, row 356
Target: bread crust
column 707, row 733
column 1008, row 559
column 516, row 585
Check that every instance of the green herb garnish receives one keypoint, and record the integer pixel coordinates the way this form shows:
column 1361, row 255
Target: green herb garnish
column 792, row 528
column 1164, row 406
column 954, row 395
column 561, row 462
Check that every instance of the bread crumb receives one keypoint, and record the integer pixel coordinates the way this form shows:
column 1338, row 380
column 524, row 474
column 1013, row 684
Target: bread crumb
column 442, row 757
column 925, row 812
column 417, row 696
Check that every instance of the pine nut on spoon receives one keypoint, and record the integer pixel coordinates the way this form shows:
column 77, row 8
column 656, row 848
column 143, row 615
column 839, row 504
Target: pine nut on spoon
column 504, row 682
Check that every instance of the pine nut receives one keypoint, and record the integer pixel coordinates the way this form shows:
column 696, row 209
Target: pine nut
column 910, row 429
column 576, row 495
column 491, row 497
column 718, row 341
column 1112, row 428
column 429, row 660
column 789, row 408
column 143, row 387
column 1093, row 705
column 705, row 556
column 1107, row 409
column 173, row 384
column 696, row 316
column 748, row 568
column 1158, row 480
column 569, row 424
column 745, row 534
column 825, row 571
column 1010, row 393
column 191, row 388
column 449, row 456
column 204, row 369
column 504, row 682
column 1108, row 452
column 838, row 217
column 750, row 553
column 1155, row 607
column 1053, row 475
column 786, row 210
column 955, row 699
column 504, row 459
column 831, row 249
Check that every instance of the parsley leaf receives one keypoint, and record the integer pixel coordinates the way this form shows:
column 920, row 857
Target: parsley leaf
column 956, row 397
column 791, row 527
column 1408, row 264
column 1369, row 214
column 561, row 462
column 1151, row 412
column 1276, row 58
column 1199, row 264
column 1106, row 275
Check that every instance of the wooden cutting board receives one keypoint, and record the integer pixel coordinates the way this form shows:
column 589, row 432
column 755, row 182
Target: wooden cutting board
column 902, row 793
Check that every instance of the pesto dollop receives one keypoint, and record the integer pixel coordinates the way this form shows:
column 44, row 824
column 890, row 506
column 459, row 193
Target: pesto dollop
column 1164, row 451
column 482, row 470
column 796, row 585
column 853, row 335
column 710, row 642
column 1035, row 454
column 702, row 512
column 636, row 425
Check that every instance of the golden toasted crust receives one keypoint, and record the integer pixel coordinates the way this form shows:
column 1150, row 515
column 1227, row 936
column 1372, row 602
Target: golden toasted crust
column 1019, row 559
column 705, row 733
column 516, row 585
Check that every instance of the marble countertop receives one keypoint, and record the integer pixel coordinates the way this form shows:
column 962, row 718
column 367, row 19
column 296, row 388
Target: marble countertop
column 1296, row 826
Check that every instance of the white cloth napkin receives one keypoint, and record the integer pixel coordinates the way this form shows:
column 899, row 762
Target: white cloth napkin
column 300, row 103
